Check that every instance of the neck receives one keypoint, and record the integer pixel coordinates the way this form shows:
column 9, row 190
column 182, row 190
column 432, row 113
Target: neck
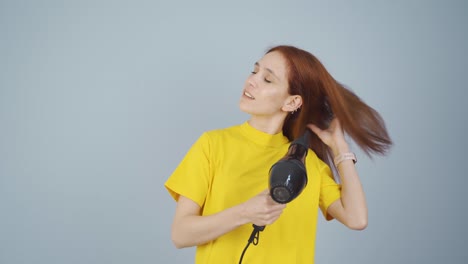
column 269, row 125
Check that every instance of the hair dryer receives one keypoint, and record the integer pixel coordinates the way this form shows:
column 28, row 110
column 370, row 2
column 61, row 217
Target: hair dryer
column 288, row 176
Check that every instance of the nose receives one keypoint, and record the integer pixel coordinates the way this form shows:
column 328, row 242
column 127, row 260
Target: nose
column 251, row 80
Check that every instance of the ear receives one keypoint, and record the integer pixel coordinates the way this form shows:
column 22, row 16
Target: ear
column 292, row 103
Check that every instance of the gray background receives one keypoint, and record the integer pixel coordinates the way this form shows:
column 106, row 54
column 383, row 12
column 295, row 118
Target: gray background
column 100, row 100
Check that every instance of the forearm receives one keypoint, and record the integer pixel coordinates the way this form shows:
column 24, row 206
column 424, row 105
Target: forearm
column 193, row 230
column 352, row 194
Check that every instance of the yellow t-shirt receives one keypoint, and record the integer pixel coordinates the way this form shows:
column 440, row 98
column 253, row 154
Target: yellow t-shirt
column 229, row 166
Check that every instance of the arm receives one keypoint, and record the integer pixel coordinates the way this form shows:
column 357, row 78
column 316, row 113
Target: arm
column 189, row 228
column 351, row 209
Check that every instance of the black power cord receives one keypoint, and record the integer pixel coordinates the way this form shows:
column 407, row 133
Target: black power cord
column 253, row 239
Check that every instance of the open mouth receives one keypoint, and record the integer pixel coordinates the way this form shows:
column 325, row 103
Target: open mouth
column 248, row 95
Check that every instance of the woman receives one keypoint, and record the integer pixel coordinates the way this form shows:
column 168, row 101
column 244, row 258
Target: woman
column 221, row 184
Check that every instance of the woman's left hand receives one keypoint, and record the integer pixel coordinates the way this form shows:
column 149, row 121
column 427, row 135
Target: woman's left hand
column 333, row 136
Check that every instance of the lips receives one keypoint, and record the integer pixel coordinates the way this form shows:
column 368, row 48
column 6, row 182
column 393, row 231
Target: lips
column 248, row 95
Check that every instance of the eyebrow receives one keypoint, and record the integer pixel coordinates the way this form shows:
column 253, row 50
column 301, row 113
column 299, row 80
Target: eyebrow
column 269, row 70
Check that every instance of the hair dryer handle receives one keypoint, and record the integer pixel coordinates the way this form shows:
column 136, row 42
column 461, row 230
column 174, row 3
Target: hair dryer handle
column 259, row 228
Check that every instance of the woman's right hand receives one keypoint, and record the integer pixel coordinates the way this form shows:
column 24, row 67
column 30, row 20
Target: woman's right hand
column 261, row 209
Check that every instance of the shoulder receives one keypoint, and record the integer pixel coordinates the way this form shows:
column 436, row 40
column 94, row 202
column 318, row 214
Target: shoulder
column 216, row 141
column 222, row 133
column 217, row 137
column 312, row 160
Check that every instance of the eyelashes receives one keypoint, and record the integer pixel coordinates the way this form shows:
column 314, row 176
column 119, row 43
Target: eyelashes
column 265, row 79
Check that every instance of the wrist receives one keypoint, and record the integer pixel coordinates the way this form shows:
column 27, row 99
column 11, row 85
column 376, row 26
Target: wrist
column 344, row 156
column 241, row 213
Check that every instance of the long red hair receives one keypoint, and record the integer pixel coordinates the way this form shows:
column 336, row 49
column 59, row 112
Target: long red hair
column 324, row 98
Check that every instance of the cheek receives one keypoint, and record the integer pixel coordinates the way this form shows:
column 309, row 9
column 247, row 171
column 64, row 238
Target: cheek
column 269, row 104
column 277, row 97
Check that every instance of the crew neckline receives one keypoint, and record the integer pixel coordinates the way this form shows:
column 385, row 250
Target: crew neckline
column 262, row 138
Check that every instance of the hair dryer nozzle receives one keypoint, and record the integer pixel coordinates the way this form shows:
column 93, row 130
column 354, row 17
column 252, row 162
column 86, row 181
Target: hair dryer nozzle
column 287, row 180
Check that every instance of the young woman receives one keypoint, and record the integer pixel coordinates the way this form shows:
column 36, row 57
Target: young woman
column 221, row 185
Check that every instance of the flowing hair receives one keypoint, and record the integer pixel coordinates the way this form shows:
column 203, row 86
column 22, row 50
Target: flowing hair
column 323, row 99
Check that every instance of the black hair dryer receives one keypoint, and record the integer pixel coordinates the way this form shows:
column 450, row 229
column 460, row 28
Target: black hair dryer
column 288, row 176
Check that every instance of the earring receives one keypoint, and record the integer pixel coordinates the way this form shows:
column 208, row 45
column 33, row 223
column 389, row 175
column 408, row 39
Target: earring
column 295, row 110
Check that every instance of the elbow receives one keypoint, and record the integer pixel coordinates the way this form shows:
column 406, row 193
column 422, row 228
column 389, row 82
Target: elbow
column 358, row 224
column 358, row 227
column 178, row 241
column 177, row 236
column 178, row 245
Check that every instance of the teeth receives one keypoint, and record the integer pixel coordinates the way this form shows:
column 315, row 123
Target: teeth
column 248, row 95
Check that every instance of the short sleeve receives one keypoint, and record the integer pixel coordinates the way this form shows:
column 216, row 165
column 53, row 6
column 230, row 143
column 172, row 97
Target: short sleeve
column 330, row 191
column 192, row 177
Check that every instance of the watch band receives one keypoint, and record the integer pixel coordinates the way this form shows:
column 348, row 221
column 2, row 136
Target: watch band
column 344, row 156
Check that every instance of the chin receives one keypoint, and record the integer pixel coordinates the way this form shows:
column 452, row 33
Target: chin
column 244, row 108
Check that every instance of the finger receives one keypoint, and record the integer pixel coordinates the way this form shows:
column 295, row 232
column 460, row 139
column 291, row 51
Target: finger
column 279, row 207
column 263, row 194
column 335, row 124
column 274, row 204
column 270, row 200
column 314, row 128
column 266, row 191
column 273, row 217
